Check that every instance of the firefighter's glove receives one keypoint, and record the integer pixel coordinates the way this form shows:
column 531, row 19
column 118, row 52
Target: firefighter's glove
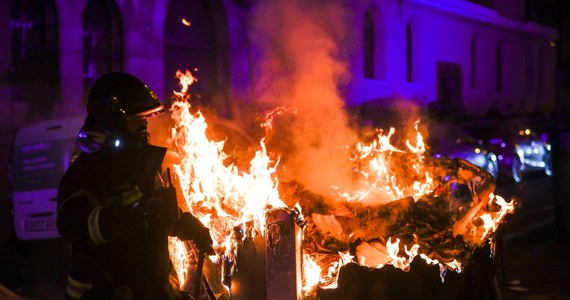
column 188, row 227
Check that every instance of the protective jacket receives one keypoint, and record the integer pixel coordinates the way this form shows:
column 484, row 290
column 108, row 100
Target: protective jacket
column 109, row 211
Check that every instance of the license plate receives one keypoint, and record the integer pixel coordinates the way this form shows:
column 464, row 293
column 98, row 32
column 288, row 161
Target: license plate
column 40, row 224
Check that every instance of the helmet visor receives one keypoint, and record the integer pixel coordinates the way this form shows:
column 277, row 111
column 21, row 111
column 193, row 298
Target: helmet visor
column 149, row 113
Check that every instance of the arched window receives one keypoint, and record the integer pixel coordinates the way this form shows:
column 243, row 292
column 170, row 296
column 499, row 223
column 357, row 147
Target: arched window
column 374, row 45
column 102, row 39
column 369, row 45
column 413, row 50
column 35, row 55
column 190, row 44
column 409, row 53
column 473, row 63
column 499, row 69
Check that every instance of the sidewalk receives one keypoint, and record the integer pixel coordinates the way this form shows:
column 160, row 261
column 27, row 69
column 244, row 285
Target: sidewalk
column 537, row 265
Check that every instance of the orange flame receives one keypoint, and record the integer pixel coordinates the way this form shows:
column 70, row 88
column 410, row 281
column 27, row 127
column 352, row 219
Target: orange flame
column 379, row 175
column 219, row 194
column 223, row 197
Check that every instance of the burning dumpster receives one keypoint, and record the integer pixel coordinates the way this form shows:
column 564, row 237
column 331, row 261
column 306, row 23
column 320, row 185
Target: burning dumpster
column 416, row 228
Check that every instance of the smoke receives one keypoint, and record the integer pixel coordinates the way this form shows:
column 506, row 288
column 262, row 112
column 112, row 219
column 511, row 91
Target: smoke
column 300, row 46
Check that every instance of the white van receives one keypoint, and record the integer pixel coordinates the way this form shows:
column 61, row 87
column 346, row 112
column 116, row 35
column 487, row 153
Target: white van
column 42, row 152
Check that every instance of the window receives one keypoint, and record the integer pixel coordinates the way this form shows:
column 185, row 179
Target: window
column 449, row 86
column 374, row 44
column 369, row 43
column 409, row 54
column 102, row 40
column 35, row 55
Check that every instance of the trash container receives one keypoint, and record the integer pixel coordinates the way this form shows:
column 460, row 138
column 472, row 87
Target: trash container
column 560, row 143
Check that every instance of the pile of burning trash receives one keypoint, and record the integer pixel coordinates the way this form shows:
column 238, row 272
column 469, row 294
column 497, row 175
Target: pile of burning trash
column 440, row 232
column 411, row 212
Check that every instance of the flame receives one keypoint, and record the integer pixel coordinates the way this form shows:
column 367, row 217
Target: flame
column 219, row 194
column 370, row 255
column 179, row 257
column 379, row 174
column 492, row 219
column 211, row 186
column 312, row 273
column 271, row 115
column 224, row 197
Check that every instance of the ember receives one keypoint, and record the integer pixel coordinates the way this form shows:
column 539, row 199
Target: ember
column 411, row 216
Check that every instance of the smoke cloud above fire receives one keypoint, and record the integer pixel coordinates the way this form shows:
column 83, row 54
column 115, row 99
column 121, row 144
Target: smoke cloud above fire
column 299, row 49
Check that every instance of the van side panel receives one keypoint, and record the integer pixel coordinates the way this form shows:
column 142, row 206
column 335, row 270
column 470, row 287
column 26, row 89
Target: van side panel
column 42, row 153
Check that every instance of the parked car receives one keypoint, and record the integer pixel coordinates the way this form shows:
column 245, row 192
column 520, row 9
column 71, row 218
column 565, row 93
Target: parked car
column 520, row 145
column 453, row 141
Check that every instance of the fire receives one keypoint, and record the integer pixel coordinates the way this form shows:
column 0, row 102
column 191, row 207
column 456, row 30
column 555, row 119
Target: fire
column 376, row 255
column 493, row 219
column 380, row 175
column 224, row 198
column 179, row 257
column 312, row 273
column 219, row 194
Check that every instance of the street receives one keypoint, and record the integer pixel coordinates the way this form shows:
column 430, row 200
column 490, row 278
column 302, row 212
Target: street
column 534, row 265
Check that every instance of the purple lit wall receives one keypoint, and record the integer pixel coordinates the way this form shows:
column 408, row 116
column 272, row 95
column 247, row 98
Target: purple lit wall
column 442, row 31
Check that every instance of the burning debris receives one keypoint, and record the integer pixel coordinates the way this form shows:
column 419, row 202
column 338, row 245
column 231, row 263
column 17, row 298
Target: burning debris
column 443, row 228
column 410, row 210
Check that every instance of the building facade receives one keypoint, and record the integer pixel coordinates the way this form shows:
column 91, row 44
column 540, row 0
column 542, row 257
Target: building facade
column 469, row 56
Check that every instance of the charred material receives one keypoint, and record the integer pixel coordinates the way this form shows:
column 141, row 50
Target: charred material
column 429, row 221
column 445, row 224
column 423, row 281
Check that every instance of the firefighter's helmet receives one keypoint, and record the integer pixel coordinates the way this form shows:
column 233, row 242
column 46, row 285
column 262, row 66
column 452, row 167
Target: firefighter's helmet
column 122, row 94
column 114, row 98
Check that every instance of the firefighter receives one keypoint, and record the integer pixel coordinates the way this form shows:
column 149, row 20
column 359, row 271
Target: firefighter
column 111, row 205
